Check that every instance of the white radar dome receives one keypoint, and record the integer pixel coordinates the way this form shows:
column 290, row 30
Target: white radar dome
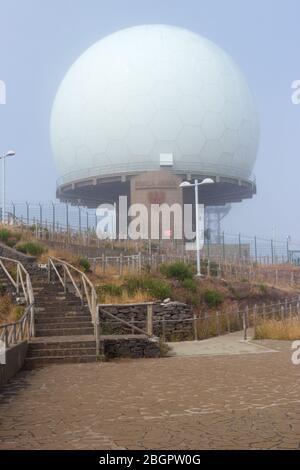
column 151, row 91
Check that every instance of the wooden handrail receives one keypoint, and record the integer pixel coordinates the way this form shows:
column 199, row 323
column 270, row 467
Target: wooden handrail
column 124, row 322
column 12, row 333
column 84, row 289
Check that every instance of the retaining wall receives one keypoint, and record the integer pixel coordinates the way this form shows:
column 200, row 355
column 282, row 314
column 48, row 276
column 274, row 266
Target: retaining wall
column 169, row 320
column 132, row 346
column 15, row 357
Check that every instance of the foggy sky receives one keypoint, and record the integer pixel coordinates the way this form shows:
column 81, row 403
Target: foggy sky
column 40, row 39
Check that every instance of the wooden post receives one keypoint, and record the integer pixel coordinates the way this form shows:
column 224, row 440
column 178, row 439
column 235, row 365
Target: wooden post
column 254, row 318
column 5, row 337
column 282, row 313
column 18, row 280
column 49, row 271
column 195, row 324
column 65, row 281
column 14, row 333
column 264, row 311
column 121, row 264
column 132, row 321
column 245, row 318
column 32, row 321
column 164, row 328
column 205, row 325
column 218, row 322
column 82, row 293
column 150, row 319
column 228, row 321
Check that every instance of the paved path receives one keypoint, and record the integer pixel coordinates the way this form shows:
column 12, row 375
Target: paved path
column 227, row 402
column 220, row 345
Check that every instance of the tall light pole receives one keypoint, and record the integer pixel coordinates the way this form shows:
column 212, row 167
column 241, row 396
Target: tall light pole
column 10, row 153
column 186, row 184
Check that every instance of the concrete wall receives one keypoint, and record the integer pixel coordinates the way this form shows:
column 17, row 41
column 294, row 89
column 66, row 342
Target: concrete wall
column 157, row 187
column 15, row 357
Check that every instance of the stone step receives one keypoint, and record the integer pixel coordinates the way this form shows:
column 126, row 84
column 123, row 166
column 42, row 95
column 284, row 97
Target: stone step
column 62, row 342
column 56, row 300
column 60, row 305
column 64, row 316
column 45, row 326
column 63, row 324
column 64, row 331
column 61, row 352
column 37, row 362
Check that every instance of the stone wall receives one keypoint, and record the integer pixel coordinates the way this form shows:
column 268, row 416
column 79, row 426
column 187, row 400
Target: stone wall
column 170, row 320
column 132, row 346
column 15, row 357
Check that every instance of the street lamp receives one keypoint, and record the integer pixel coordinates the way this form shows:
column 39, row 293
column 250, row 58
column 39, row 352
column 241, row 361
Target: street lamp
column 10, row 153
column 186, row 184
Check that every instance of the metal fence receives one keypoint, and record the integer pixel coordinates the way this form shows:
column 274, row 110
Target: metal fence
column 63, row 220
column 202, row 325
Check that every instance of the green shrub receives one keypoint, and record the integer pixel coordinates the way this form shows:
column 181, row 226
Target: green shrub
column 31, row 248
column 157, row 288
column 112, row 289
column 190, row 285
column 4, row 235
column 213, row 298
column 263, row 288
column 84, row 264
column 11, row 242
column 178, row 270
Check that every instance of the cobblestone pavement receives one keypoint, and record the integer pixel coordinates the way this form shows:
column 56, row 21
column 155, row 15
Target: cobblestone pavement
column 219, row 402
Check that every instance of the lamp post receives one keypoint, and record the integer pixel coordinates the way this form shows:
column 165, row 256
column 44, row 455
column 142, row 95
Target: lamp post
column 10, row 153
column 186, row 184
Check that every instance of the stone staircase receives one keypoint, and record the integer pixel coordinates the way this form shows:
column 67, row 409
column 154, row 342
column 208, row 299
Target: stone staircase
column 64, row 330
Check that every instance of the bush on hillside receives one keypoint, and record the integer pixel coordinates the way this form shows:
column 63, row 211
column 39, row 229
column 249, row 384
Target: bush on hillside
column 31, row 248
column 157, row 288
column 213, row 298
column 4, row 235
column 84, row 264
column 9, row 238
column 178, row 270
column 190, row 284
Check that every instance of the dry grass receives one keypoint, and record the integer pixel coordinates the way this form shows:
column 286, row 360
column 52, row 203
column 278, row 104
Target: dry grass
column 113, row 271
column 59, row 253
column 9, row 312
column 125, row 298
column 278, row 329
